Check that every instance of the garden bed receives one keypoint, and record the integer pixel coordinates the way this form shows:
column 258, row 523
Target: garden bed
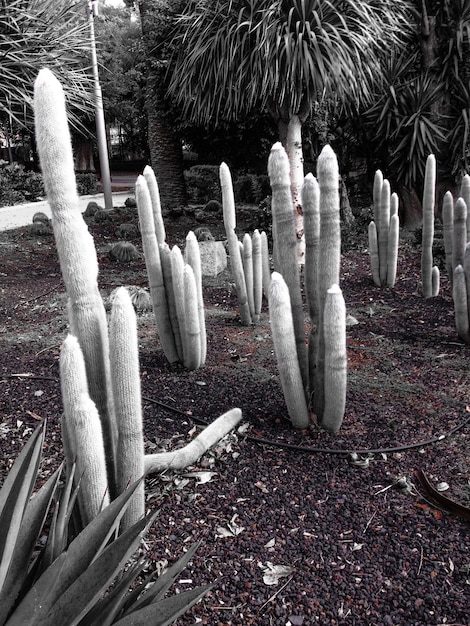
column 355, row 547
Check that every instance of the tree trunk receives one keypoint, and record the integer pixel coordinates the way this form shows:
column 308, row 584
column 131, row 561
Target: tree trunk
column 165, row 145
column 166, row 154
column 296, row 163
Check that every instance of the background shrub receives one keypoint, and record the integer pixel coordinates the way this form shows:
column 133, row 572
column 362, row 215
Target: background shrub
column 18, row 185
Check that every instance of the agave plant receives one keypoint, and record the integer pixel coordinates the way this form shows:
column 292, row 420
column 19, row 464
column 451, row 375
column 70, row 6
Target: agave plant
column 80, row 580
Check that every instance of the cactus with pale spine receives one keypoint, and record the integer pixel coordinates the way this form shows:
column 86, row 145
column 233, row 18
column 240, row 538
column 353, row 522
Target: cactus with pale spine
column 320, row 202
column 249, row 260
column 429, row 273
column 176, row 322
column 76, row 251
column 99, row 377
column 384, row 233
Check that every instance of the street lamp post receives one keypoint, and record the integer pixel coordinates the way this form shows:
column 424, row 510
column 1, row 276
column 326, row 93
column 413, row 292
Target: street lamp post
column 92, row 10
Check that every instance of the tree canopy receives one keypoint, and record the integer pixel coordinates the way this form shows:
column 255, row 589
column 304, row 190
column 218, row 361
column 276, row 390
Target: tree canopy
column 38, row 33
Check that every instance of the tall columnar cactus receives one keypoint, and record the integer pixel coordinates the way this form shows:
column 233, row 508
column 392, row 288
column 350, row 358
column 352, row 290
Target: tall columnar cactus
column 236, row 262
column 328, row 262
column 334, row 331
column 152, row 184
column 285, row 244
column 154, row 270
column 461, row 303
column 384, row 233
column 82, row 433
column 448, row 232
column 320, row 201
column 459, row 239
column 193, row 258
column 85, row 362
column 165, row 270
column 465, row 195
column 429, row 273
column 125, row 378
column 76, row 251
column 282, row 328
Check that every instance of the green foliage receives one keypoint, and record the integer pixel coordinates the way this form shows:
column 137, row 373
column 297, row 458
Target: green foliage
column 251, row 188
column 76, row 580
column 86, row 184
column 18, row 185
column 202, row 183
column 38, row 33
column 237, row 56
column 123, row 76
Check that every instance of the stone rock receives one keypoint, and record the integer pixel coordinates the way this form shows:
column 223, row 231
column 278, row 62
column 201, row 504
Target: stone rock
column 213, row 257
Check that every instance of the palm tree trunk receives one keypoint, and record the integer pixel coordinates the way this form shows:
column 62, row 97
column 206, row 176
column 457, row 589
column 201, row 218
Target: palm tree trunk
column 166, row 154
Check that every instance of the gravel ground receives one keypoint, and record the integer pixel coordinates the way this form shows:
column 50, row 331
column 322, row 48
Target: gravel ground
column 293, row 529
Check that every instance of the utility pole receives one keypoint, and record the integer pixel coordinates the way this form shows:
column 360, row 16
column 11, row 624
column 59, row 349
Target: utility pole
column 92, row 11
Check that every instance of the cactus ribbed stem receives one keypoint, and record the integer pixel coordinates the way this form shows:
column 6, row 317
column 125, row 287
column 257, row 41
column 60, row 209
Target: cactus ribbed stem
column 428, row 226
column 257, row 254
column 460, row 232
column 247, row 258
column 334, row 329
column 152, row 184
column 236, row 264
column 75, row 248
column 193, row 258
column 377, row 195
column 284, row 345
column 125, row 376
column 329, row 258
column 459, row 294
column 465, row 195
column 448, row 232
column 286, row 246
column 311, row 209
column 374, row 254
column 165, row 258
column 394, row 204
column 84, row 434
column 191, row 314
column 383, row 230
column 466, row 269
column 392, row 247
column 266, row 269
column 73, row 383
column 154, row 270
column 177, row 272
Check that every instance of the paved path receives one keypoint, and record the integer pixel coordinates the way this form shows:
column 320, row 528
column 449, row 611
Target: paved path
column 22, row 214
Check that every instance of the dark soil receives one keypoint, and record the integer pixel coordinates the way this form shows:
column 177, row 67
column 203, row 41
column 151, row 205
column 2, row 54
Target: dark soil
column 357, row 548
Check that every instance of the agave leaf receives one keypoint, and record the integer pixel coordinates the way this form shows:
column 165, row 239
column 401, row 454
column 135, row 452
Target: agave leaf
column 105, row 611
column 87, row 546
column 31, row 525
column 164, row 582
column 15, row 494
column 57, row 537
column 165, row 611
column 85, row 591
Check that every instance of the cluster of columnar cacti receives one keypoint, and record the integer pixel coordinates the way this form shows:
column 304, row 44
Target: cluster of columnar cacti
column 456, row 228
column 102, row 423
column 429, row 273
column 249, row 260
column 175, row 285
column 384, row 233
column 313, row 378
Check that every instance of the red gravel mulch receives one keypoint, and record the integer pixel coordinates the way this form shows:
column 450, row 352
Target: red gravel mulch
column 346, row 538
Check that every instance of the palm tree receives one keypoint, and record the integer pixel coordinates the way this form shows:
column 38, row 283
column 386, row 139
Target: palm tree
column 283, row 55
column 38, row 33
